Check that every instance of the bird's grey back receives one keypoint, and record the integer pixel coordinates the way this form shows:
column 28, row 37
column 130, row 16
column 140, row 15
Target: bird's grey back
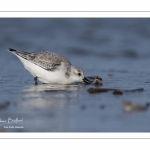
column 47, row 60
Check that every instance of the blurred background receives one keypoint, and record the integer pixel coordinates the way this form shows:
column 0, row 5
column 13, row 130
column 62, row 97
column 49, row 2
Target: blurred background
column 116, row 49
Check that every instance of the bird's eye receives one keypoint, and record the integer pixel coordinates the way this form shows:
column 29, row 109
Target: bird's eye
column 79, row 74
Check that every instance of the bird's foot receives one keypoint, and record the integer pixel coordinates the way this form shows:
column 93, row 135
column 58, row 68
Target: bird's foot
column 35, row 79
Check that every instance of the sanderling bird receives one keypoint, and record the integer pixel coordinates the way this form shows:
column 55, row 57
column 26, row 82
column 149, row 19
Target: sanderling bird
column 49, row 67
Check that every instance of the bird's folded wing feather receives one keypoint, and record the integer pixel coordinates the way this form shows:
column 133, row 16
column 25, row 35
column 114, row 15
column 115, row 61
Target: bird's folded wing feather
column 48, row 60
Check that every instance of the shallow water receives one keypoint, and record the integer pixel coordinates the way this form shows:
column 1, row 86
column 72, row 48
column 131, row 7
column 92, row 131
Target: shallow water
column 117, row 50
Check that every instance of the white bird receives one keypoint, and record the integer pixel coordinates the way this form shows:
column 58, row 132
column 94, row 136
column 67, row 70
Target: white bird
column 49, row 67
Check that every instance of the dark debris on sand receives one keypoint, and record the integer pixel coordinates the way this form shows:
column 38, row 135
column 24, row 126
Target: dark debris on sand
column 97, row 82
column 115, row 91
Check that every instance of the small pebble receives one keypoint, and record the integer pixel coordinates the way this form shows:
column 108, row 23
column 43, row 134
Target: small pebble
column 97, row 82
column 132, row 106
column 97, row 77
column 117, row 92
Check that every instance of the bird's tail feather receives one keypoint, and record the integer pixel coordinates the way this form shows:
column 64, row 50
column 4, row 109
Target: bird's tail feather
column 20, row 53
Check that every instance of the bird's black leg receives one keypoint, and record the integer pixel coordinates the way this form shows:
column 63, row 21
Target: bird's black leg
column 35, row 79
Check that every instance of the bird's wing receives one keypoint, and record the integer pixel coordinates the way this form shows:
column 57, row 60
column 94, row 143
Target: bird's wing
column 47, row 60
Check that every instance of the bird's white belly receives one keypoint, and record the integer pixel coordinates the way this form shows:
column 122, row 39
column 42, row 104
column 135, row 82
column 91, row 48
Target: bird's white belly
column 54, row 77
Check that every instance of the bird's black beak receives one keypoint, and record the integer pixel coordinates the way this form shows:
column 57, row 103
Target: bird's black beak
column 86, row 81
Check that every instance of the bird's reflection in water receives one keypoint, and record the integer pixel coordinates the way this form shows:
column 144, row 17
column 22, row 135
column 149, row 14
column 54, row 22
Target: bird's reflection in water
column 46, row 95
column 51, row 88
